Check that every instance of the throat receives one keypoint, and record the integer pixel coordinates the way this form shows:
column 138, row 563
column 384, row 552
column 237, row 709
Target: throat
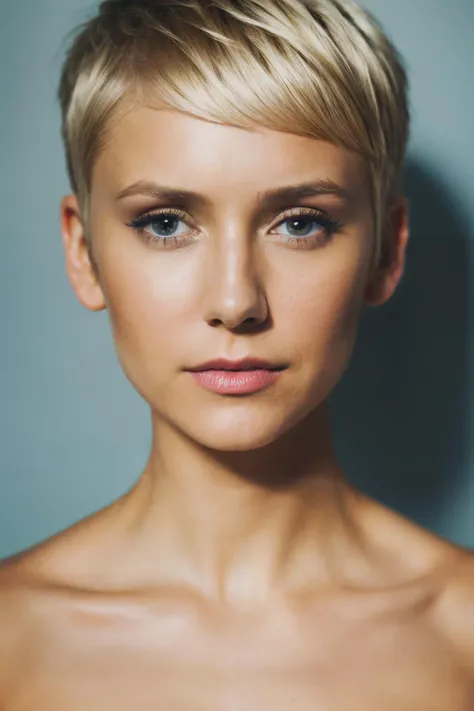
column 245, row 542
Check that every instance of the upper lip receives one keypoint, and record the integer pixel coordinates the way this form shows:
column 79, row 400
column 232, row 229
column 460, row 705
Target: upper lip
column 243, row 364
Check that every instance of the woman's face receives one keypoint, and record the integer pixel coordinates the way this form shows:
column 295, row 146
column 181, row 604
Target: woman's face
column 235, row 271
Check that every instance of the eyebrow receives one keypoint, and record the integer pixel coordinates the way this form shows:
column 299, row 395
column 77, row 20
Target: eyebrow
column 267, row 197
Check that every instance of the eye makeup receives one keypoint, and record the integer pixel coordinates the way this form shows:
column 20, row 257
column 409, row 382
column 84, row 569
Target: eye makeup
column 325, row 226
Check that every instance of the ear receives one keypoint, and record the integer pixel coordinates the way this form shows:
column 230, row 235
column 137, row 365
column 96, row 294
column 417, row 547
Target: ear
column 80, row 268
column 388, row 272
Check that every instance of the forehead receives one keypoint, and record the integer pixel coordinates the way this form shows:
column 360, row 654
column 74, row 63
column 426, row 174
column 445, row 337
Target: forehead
column 174, row 148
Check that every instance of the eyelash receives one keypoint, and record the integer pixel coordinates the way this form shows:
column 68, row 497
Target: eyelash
column 329, row 226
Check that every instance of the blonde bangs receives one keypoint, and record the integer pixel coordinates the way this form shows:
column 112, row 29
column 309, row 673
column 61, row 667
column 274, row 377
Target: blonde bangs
column 317, row 68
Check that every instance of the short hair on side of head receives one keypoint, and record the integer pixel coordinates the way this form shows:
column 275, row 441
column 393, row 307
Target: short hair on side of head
column 317, row 68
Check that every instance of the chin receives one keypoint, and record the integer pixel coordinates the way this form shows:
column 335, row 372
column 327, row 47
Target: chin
column 240, row 429
column 235, row 441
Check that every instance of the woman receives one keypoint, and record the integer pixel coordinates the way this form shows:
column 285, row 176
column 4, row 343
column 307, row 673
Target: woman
column 236, row 203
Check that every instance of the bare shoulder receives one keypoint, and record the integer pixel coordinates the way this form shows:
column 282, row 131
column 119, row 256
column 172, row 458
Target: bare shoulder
column 441, row 571
column 16, row 630
column 33, row 585
column 455, row 608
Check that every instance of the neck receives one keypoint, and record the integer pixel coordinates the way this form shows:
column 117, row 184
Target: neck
column 242, row 523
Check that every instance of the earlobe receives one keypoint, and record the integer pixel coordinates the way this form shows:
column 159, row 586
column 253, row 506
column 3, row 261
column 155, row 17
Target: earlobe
column 387, row 275
column 80, row 269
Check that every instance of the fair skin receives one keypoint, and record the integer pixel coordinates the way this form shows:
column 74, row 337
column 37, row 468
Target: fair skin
column 241, row 571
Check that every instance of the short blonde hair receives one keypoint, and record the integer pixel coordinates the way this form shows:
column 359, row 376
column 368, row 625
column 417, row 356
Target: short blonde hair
column 318, row 68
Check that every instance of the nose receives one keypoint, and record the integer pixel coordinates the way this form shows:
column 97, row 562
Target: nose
column 234, row 292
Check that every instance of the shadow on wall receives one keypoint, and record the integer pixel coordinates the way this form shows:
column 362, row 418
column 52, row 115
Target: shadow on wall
column 400, row 413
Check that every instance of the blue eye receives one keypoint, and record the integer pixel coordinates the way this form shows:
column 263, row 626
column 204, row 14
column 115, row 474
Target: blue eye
column 166, row 224
column 303, row 226
column 307, row 226
column 162, row 226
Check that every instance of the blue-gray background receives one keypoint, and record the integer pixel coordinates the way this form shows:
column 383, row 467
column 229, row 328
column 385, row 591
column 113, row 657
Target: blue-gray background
column 73, row 432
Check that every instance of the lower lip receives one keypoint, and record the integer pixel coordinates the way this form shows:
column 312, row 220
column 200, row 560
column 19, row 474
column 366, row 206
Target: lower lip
column 236, row 382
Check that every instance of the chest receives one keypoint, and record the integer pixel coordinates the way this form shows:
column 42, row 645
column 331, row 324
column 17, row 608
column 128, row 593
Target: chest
column 289, row 665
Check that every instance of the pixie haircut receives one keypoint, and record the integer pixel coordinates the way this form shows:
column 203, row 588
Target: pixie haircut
column 323, row 69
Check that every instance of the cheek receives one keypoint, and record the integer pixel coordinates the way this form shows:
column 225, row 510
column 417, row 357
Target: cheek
column 323, row 313
column 148, row 303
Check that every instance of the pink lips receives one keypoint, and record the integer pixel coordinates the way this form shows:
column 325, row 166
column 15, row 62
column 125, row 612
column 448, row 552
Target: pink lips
column 236, row 377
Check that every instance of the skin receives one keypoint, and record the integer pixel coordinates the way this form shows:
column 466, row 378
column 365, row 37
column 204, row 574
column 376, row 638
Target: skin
column 241, row 571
